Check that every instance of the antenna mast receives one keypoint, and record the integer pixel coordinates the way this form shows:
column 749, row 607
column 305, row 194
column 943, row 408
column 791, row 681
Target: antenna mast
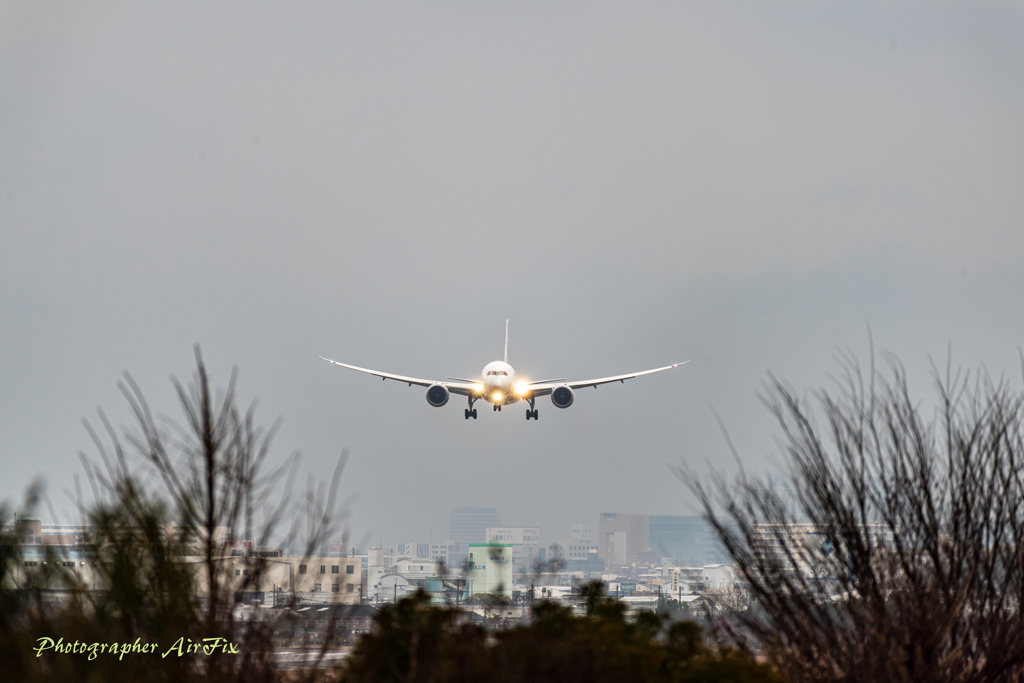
column 506, row 340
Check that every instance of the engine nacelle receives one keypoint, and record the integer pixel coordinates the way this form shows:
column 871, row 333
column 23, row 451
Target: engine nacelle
column 563, row 396
column 437, row 395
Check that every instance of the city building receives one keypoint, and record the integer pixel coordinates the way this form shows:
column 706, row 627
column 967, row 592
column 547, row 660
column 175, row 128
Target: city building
column 683, row 580
column 686, row 540
column 780, row 485
column 622, row 539
column 323, row 579
column 33, row 564
column 525, row 542
column 31, row 532
column 439, row 552
column 380, row 557
column 777, row 542
column 586, row 567
column 807, row 548
column 683, row 538
column 489, row 569
column 714, row 550
column 719, row 576
column 582, row 542
column 468, row 525
column 414, row 567
column 412, row 549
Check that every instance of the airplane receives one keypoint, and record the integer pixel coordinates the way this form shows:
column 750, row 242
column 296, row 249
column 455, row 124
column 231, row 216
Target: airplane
column 501, row 386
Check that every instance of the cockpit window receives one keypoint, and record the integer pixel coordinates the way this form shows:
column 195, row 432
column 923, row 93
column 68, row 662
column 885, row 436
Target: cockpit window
column 497, row 372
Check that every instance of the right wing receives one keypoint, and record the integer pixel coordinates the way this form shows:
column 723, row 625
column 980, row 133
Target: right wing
column 465, row 388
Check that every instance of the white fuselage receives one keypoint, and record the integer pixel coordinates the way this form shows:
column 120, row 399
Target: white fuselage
column 499, row 381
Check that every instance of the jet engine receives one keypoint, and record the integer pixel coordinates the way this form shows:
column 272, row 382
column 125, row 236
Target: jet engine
column 437, row 395
column 563, row 397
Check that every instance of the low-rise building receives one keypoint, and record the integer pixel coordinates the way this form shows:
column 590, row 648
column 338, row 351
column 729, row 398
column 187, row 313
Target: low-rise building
column 685, row 580
column 489, row 569
column 413, row 567
column 273, row 580
column 719, row 576
column 341, row 577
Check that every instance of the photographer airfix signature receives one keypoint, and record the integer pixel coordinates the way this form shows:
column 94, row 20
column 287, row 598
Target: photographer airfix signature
column 181, row 647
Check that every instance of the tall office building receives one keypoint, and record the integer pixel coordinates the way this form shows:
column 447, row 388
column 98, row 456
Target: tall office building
column 780, row 485
column 714, row 549
column 621, row 539
column 688, row 540
column 469, row 525
column 684, row 538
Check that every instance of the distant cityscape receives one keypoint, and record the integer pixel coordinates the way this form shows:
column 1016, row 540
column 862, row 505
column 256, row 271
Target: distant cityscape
column 631, row 552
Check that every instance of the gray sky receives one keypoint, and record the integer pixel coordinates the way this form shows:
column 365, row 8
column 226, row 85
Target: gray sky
column 743, row 185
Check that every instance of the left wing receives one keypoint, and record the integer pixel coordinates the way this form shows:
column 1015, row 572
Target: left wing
column 545, row 388
column 466, row 388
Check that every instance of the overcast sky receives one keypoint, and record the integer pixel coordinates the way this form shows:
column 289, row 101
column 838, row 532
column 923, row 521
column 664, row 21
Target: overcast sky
column 747, row 186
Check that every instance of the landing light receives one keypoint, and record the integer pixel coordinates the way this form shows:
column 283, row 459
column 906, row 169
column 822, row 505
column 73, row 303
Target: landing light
column 522, row 387
column 497, row 396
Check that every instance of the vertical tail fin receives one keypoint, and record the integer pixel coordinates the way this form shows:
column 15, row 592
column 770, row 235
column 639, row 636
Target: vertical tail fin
column 506, row 340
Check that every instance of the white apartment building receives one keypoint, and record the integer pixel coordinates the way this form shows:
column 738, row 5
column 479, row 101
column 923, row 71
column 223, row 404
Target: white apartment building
column 414, row 567
column 380, row 557
column 525, row 542
column 328, row 579
column 412, row 549
column 439, row 552
column 719, row 576
column 811, row 550
column 582, row 542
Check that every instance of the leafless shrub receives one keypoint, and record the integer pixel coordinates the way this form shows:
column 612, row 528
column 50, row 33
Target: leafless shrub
column 910, row 559
column 168, row 492
column 727, row 601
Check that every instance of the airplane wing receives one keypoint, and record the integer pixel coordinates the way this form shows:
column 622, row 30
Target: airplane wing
column 464, row 388
column 545, row 388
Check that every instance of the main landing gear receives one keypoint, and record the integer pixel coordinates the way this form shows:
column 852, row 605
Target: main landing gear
column 532, row 411
column 471, row 411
